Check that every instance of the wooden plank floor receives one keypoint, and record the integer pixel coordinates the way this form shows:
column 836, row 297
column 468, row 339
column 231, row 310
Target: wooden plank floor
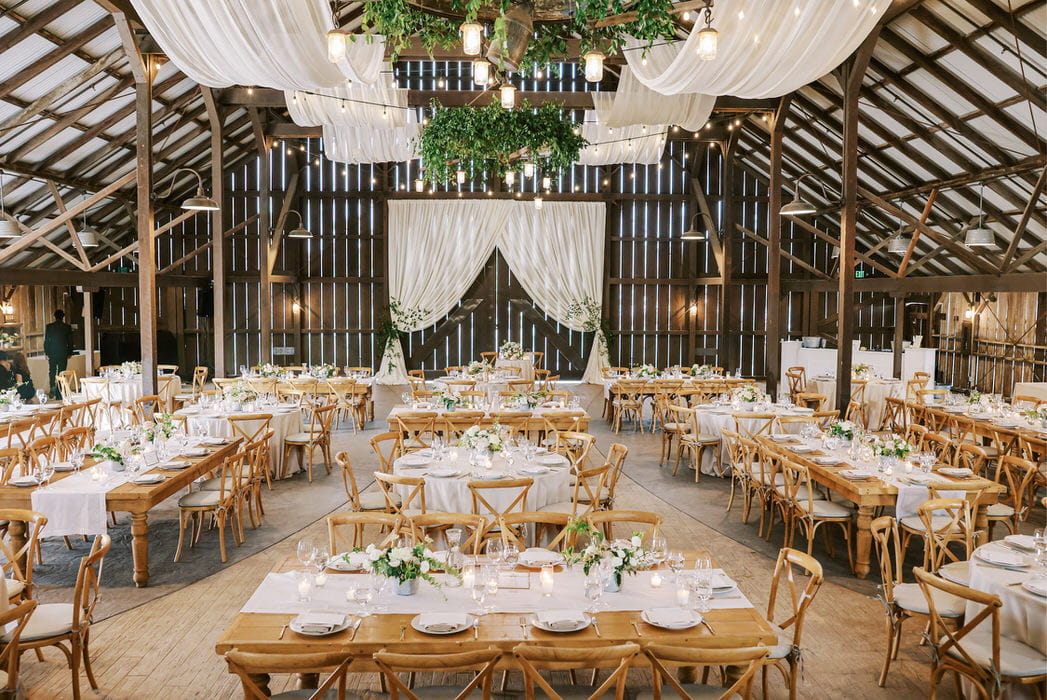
column 164, row 648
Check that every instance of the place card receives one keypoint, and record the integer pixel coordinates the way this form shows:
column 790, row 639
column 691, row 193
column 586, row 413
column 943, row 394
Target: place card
column 520, row 580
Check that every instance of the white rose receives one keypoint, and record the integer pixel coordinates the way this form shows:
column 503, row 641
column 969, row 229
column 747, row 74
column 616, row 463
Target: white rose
column 616, row 562
column 636, row 541
column 394, row 561
column 424, row 567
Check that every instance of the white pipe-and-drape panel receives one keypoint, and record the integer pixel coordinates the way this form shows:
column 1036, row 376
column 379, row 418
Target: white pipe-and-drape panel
column 766, row 48
column 635, row 103
column 270, row 43
column 436, row 250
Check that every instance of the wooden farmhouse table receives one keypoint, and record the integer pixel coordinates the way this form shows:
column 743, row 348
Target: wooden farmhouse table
column 871, row 494
column 136, row 499
column 267, row 633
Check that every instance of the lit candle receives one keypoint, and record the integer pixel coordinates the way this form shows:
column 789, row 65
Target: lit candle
column 683, row 596
column 908, row 467
column 888, row 471
column 321, row 579
column 547, row 580
column 656, row 580
column 305, row 587
column 468, row 576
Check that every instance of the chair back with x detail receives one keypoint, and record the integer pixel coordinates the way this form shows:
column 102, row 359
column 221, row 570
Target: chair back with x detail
column 482, row 661
column 799, row 600
column 404, row 505
column 487, row 494
column 252, row 666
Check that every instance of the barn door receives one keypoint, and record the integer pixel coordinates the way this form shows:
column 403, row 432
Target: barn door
column 495, row 309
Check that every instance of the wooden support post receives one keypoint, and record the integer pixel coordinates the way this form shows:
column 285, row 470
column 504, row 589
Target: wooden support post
column 265, row 286
column 728, row 309
column 853, row 74
column 899, row 333
column 219, row 224
column 773, row 338
column 89, row 334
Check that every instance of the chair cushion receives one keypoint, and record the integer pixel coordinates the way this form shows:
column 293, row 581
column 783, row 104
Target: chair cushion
column 1016, row 659
column 908, row 596
column 801, row 493
column 957, row 572
column 371, row 500
column 215, row 484
column 827, row 509
column 198, row 499
column 14, row 588
column 676, row 427
column 999, row 510
column 561, row 507
column 302, row 437
column 785, row 642
column 48, row 620
column 913, row 522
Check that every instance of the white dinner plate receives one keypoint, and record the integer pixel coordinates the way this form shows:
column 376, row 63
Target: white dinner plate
column 484, row 475
column 783, row 437
column 550, row 460
column 800, row 449
column 1037, row 586
column 357, row 561
column 692, row 620
column 442, row 473
column 955, row 471
column 457, row 622
column 63, row 467
column 23, row 481
column 215, row 441
column 536, row 559
column 565, row 629
column 414, row 460
column 826, row 461
column 149, row 479
column 176, row 464
column 533, row 469
column 1003, row 558
column 196, row 452
column 296, row 627
column 1025, row 542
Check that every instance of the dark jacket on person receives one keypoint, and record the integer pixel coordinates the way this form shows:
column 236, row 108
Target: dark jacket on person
column 58, row 339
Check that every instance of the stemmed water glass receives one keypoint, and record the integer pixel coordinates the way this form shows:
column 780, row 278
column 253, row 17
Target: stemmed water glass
column 320, row 557
column 1039, row 541
column 702, row 586
column 658, row 548
column 511, row 555
column 495, row 551
column 41, row 396
column 479, row 592
column 305, row 552
column 76, row 458
column 594, row 584
column 675, row 562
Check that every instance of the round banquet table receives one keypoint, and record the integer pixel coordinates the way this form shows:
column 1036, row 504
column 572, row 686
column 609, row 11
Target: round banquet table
column 216, row 423
column 526, row 365
column 1023, row 616
column 876, row 393
column 452, row 495
column 491, row 384
column 125, row 391
column 713, row 420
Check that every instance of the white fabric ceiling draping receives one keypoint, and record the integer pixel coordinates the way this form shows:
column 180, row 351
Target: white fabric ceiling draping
column 767, row 48
column 371, row 144
column 381, row 105
column 437, row 248
column 272, row 43
column 628, row 144
column 635, row 103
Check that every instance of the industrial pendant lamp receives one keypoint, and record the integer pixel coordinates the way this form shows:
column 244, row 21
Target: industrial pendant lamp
column 708, row 38
column 900, row 243
column 980, row 236
column 798, row 206
column 301, row 231
column 87, row 235
column 693, row 234
column 199, row 201
column 8, row 228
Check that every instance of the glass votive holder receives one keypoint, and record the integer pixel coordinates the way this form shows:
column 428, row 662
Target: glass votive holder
column 656, row 580
column 546, row 578
column 683, row 596
column 305, row 586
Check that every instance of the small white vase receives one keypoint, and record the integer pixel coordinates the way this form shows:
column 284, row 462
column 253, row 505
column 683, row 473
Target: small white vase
column 409, row 587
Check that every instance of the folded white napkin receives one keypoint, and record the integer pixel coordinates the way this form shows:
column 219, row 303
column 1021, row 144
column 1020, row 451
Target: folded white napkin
column 1021, row 541
column 722, row 581
column 537, row 555
column 669, row 617
column 1003, row 557
column 442, row 622
column 854, row 474
column 319, row 621
column 561, row 619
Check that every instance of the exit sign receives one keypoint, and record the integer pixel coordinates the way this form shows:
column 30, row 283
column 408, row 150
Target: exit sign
column 859, row 274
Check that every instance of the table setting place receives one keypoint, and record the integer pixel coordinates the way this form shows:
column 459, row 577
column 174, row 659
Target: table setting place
column 516, row 459
column 335, row 594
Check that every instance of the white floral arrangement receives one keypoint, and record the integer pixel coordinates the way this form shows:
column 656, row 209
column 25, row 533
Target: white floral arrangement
column 8, row 340
column 1036, row 413
column 476, row 367
column 449, row 399
column 323, row 371
column 861, row 370
column 9, row 397
column 892, row 446
column 975, row 397
column 241, row 393
column 477, row 438
column 406, row 563
column 511, row 351
column 624, row 556
column 700, row 370
column 749, row 394
column 163, row 426
column 843, row 429
column 529, row 398
column 131, row 367
column 269, row 370
column 645, row 371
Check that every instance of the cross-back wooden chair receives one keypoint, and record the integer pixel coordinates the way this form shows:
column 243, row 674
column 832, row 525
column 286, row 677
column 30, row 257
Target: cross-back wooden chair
column 421, row 528
column 486, row 494
column 627, row 402
column 616, row 455
column 575, row 446
column 588, row 484
column 808, row 399
column 533, row 658
column 386, row 448
column 676, row 422
column 339, row 523
column 972, row 457
column 10, row 461
column 65, row 387
column 976, row 651
column 697, row 442
column 402, row 504
column 200, row 374
column 19, row 577
column 931, row 396
column 369, row 500
column 665, row 658
column 251, row 427
column 489, row 357
column 809, row 510
column 940, row 523
column 1018, row 476
column 1032, row 448
column 417, row 383
column 913, row 387
column 457, row 422
column 223, row 505
column 786, row 654
column 894, row 415
column 76, row 438
column 482, row 661
column 13, row 620
column 755, row 425
column 416, row 428
column 797, row 378
column 318, row 437
column 513, row 422
column 251, row 667
column 940, row 445
column 549, row 524
column 642, row 522
column 42, row 449
column 560, row 419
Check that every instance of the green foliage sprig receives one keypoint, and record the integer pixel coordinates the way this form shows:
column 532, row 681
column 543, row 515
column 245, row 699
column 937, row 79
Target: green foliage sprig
column 489, row 139
column 105, row 452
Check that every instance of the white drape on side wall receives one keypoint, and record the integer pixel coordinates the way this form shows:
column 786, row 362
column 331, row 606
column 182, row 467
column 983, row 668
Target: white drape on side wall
column 436, row 250
column 557, row 254
column 271, row 43
column 767, row 48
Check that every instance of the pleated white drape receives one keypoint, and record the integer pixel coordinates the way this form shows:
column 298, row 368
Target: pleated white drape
column 628, row 144
column 380, row 105
column 635, row 103
column 272, row 43
column 436, row 250
column 371, row 144
column 767, row 48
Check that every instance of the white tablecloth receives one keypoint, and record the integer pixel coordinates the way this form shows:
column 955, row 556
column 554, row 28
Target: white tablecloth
column 75, row 505
column 452, row 494
column 491, row 384
column 126, row 391
column 876, row 393
column 283, row 424
column 713, row 420
column 526, row 365
column 537, row 411
column 278, row 594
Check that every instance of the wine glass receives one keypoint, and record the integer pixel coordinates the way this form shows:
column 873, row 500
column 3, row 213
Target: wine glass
column 364, row 593
column 320, row 557
column 658, row 548
column 594, row 582
column 76, row 458
column 479, row 593
column 675, row 562
column 702, row 586
column 41, row 396
column 511, row 555
column 495, row 551
column 305, row 552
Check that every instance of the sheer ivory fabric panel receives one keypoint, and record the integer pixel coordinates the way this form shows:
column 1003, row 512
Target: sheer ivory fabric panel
column 629, row 144
column 557, row 254
column 349, row 105
column 371, row 144
column 635, row 103
column 767, row 48
column 272, row 43
column 437, row 248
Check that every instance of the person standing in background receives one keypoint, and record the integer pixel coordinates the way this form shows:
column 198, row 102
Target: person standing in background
column 58, row 346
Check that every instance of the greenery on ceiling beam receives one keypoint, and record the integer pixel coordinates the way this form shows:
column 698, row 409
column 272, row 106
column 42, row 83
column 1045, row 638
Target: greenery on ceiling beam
column 651, row 21
column 491, row 140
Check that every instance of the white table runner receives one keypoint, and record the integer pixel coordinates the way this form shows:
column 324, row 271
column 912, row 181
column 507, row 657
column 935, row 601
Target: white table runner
column 278, row 594
column 75, row 505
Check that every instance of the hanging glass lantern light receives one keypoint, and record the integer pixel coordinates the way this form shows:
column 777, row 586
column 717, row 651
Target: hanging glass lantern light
column 508, row 93
column 594, row 66
column 459, row 176
column 528, row 169
column 336, row 45
column 708, row 38
column 472, row 37
column 510, row 177
column 481, row 71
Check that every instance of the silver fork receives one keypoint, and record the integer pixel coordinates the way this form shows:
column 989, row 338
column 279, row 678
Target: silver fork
column 476, row 628
column 596, row 627
column 523, row 626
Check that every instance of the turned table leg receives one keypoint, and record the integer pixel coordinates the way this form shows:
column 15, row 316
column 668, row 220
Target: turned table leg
column 863, row 541
column 308, row 681
column 16, row 530
column 140, row 548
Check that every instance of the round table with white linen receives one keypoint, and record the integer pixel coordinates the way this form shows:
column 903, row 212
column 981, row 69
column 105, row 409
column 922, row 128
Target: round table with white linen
column 484, row 383
column 213, row 422
column 713, row 420
column 1023, row 616
column 525, row 363
column 876, row 393
column 552, row 481
column 126, row 391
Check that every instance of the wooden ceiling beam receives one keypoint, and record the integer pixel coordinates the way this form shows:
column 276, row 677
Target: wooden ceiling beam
column 32, row 25
column 1014, row 282
column 69, row 278
column 1037, row 192
column 1020, row 167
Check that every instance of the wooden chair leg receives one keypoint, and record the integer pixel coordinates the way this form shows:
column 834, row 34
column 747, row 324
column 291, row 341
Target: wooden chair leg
column 85, row 650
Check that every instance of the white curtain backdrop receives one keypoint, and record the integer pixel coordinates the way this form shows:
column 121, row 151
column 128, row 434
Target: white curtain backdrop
column 436, row 250
column 271, row 43
column 767, row 48
column 628, row 144
column 349, row 105
column 371, row 144
column 635, row 103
